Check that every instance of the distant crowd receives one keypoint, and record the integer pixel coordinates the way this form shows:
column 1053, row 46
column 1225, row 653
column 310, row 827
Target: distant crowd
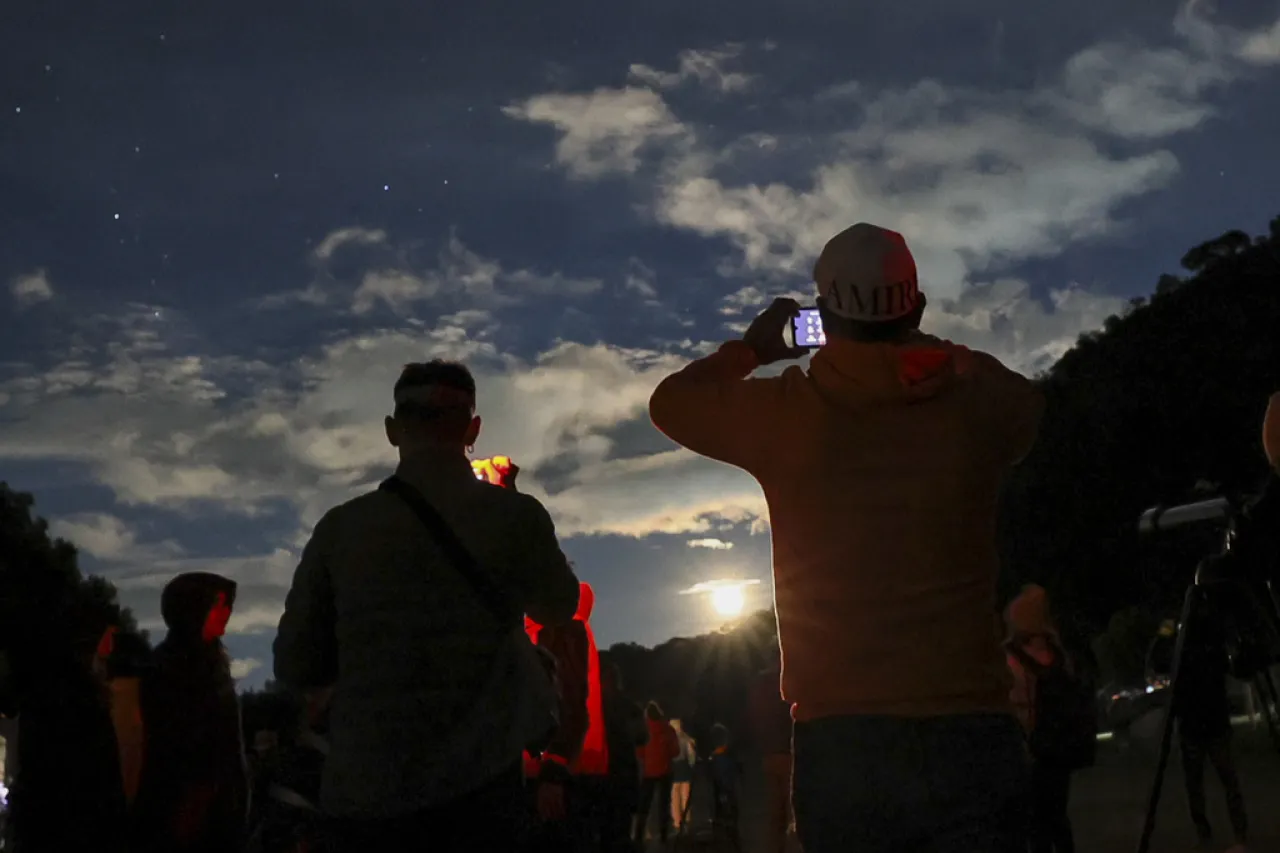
column 454, row 698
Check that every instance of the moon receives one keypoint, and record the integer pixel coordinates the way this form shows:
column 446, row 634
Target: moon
column 728, row 600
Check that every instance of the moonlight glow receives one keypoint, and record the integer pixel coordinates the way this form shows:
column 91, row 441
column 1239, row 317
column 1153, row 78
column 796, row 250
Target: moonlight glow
column 728, row 600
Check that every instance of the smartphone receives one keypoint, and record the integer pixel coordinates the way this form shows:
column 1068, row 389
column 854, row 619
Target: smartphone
column 806, row 329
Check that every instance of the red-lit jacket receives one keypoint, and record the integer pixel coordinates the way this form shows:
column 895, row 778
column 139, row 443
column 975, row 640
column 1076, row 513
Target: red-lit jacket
column 579, row 744
column 663, row 746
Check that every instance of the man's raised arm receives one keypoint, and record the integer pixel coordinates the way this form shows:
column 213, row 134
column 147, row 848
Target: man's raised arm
column 711, row 408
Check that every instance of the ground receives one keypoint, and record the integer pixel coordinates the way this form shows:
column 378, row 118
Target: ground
column 1110, row 800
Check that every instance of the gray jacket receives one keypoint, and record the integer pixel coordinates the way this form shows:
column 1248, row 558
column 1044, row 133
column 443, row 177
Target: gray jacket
column 379, row 613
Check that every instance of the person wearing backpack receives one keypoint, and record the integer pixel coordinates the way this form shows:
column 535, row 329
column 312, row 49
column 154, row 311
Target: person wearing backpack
column 1056, row 709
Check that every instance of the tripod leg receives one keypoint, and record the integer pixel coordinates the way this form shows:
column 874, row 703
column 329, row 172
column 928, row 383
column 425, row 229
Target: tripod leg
column 1267, row 693
column 1166, row 736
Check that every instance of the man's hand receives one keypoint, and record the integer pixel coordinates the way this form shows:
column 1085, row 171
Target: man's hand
column 765, row 334
column 551, row 801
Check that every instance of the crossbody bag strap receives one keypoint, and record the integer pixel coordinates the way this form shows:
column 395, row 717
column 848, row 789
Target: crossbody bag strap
column 484, row 586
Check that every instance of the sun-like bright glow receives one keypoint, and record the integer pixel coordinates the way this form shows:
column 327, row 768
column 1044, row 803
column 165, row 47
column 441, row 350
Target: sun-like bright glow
column 728, row 600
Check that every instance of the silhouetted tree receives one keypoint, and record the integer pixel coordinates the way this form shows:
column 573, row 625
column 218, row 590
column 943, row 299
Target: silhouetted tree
column 39, row 581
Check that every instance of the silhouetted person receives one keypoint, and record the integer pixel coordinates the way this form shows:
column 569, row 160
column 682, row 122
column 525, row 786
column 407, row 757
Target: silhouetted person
column 726, row 778
column 291, row 819
column 1203, row 713
column 194, row 792
column 682, row 769
column 68, row 797
column 657, row 756
column 769, row 717
column 1059, row 744
column 882, row 466
column 616, row 797
column 425, row 729
column 128, row 665
column 558, row 777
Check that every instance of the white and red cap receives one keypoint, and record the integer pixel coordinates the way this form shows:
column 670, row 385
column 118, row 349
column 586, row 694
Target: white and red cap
column 866, row 273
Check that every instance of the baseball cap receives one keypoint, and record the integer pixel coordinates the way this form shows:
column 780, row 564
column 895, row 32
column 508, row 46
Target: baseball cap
column 866, row 273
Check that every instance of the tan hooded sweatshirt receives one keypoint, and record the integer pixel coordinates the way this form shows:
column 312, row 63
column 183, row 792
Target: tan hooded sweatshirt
column 882, row 466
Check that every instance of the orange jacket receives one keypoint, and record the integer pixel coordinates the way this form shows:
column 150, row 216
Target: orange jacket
column 657, row 755
column 882, row 466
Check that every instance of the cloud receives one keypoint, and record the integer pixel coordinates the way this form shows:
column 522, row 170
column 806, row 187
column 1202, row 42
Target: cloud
column 705, row 67
column 242, row 667
column 978, row 181
column 350, row 236
column 108, row 538
column 713, row 585
column 710, row 544
column 388, row 276
column 1259, row 48
column 603, row 131
column 31, row 288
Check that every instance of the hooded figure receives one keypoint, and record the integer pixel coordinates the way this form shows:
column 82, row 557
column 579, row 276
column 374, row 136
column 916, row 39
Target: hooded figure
column 193, row 795
column 579, row 744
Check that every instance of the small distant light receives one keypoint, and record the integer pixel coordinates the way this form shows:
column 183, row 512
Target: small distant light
column 1150, row 689
column 115, row 216
column 17, row 109
column 386, row 187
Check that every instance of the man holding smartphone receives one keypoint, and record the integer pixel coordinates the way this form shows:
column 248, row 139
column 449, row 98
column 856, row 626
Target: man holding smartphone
column 882, row 465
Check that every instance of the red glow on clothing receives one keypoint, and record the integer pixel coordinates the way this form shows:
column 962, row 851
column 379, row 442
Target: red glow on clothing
column 594, row 760
column 215, row 624
column 495, row 470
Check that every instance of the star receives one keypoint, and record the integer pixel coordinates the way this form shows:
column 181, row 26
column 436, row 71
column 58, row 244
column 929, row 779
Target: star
column 446, row 180
column 386, row 187
column 275, row 175
column 115, row 216
column 17, row 109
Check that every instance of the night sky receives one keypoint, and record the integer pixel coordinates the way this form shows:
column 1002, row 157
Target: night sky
column 226, row 226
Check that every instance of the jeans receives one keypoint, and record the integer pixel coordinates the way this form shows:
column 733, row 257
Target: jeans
column 1050, row 823
column 777, row 773
column 650, row 789
column 896, row 785
column 492, row 817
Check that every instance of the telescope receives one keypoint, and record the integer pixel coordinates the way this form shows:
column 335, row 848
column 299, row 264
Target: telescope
column 1162, row 518
column 1236, row 584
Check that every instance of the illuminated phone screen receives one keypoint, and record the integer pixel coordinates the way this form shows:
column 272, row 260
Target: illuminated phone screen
column 806, row 328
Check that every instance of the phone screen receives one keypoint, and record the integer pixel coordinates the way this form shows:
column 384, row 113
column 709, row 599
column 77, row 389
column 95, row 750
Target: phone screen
column 806, row 328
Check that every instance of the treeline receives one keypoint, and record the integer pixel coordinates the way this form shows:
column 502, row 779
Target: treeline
column 41, row 585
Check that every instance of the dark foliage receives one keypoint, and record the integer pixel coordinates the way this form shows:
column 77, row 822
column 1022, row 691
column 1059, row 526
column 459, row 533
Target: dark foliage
column 45, row 601
column 1167, row 396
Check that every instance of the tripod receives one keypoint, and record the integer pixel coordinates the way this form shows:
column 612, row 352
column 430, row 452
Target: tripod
column 1196, row 603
